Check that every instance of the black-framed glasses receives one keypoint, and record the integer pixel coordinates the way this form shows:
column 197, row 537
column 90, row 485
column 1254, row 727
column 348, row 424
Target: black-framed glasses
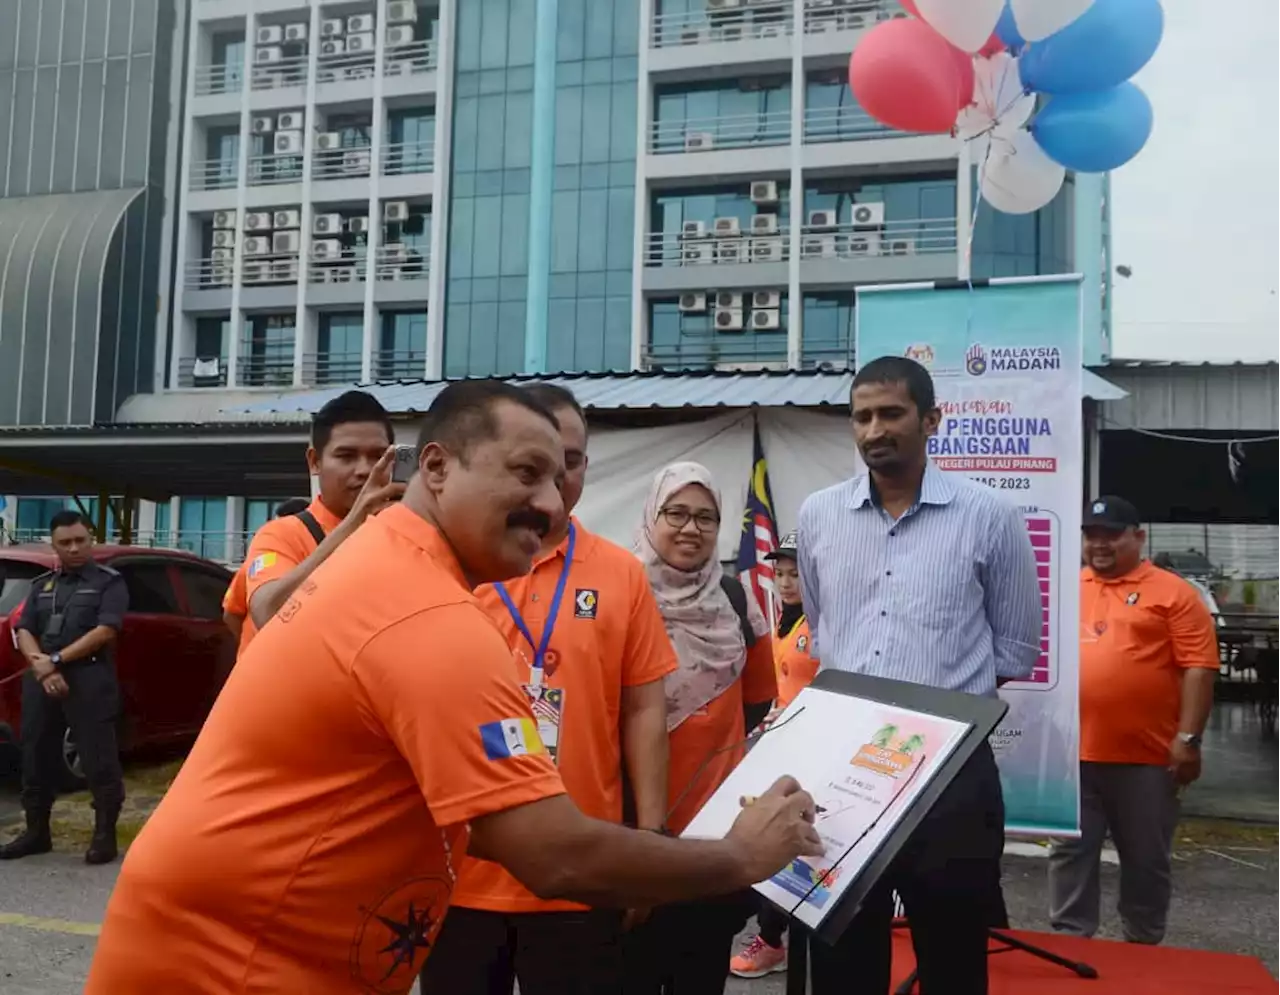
column 703, row 521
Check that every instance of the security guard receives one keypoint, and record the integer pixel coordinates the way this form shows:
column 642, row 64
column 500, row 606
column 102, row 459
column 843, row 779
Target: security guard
column 66, row 632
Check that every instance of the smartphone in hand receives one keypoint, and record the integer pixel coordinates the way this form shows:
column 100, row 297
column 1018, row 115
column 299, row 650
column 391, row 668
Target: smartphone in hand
column 406, row 464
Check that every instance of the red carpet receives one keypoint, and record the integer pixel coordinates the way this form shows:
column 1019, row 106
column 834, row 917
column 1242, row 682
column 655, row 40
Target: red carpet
column 1123, row 969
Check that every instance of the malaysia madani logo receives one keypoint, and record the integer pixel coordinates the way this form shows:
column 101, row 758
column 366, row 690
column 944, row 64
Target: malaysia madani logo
column 975, row 360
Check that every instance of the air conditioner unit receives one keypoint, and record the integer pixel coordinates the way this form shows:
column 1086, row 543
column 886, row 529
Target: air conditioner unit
column 714, row 5
column 399, row 34
column 334, row 46
column 728, row 319
column 401, row 11
column 864, row 244
column 257, row 245
column 726, row 226
column 358, row 225
column 693, row 303
column 296, row 32
column 269, row 34
column 360, row 42
column 284, row 270
column 290, row 121
column 764, row 192
column 326, row 248
column 766, row 299
column 355, row 161
column 693, row 229
column 264, row 125
column 852, row 20
column 265, row 56
column 395, row 250
column 359, row 23
column 328, row 140
column 696, row 252
column 766, row 250
column 822, row 219
column 818, row 247
column 258, row 221
column 225, row 219
column 288, row 143
column 224, row 238
column 222, row 275
column 698, row 141
column 766, row 320
column 901, row 247
column 732, row 250
column 694, row 36
column 340, row 274
column 769, row 29
column 727, row 300
column 285, row 242
column 255, row 272
column 326, row 224
column 867, row 215
column 395, row 210
column 289, row 218
column 333, row 27
column 222, row 255
column 764, row 224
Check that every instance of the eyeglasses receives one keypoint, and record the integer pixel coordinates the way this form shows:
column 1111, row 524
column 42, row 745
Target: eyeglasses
column 678, row 518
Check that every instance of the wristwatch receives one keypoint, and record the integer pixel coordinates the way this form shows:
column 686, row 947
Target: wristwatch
column 55, row 659
column 1191, row 739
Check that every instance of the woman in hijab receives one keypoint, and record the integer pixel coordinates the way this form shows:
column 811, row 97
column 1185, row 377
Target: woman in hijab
column 722, row 688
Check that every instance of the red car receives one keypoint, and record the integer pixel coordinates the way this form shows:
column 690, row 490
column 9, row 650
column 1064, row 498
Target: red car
column 171, row 656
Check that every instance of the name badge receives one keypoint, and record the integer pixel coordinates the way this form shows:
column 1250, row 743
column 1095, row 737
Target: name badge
column 548, row 709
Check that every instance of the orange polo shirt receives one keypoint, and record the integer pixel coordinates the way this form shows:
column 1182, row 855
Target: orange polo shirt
column 795, row 667
column 308, row 844
column 720, row 724
column 608, row 635
column 279, row 546
column 1138, row 634
column 236, row 600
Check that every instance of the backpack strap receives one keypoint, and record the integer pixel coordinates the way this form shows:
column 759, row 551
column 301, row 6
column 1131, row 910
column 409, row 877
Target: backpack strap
column 309, row 520
column 737, row 595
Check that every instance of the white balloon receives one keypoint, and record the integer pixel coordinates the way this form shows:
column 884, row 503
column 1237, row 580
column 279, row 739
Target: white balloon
column 972, row 122
column 1038, row 19
column 998, row 92
column 1018, row 177
column 967, row 24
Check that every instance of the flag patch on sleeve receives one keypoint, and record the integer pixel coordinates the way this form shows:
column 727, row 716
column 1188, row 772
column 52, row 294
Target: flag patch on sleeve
column 511, row 738
column 261, row 563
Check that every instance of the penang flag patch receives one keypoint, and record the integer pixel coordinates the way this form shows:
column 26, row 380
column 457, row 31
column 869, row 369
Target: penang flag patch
column 511, row 738
column 261, row 563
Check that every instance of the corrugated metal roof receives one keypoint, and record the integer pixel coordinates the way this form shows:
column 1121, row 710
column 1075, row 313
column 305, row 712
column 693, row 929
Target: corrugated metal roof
column 1206, row 397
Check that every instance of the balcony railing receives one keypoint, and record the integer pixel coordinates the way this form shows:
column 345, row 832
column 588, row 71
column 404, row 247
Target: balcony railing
column 269, row 270
column 734, row 131
column 208, row 274
column 742, row 348
column 264, row 367
column 289, row 71
column 214, row 174
column 701, row 27
column 218, row 79
column 849, row 123
column 408, row 157
column 322, row 368
column 849, row 15
column 267, row 170
column 397, row 261
column 341, row 164
column 202, row 371
column 399, row 364
column 675, row 249
column 894, row 238
column 407, row 60
column 348, row 267
column 344, row 66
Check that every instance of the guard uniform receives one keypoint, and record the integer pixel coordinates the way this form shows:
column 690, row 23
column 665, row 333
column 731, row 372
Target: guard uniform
column 62, row 607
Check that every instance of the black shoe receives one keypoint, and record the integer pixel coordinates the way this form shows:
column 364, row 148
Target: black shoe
column 103, row 848
column 33, row 840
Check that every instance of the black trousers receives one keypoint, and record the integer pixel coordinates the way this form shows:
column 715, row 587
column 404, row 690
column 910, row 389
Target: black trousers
column 91, row 710
column 685, row 949
column 550, row 953
column 948, row 876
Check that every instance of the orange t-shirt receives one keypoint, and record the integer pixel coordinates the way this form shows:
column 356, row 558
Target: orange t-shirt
column 715, row 727
column 795, row 667
column 279, row 546
column 608, row 635
column 1138, row 634
column 308, row 844
column 236, row 600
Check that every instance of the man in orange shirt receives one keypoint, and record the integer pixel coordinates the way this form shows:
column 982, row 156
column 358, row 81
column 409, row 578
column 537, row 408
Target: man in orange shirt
column 310, row 843
column 235, row 603
column 1148, row 656
column 591, row 651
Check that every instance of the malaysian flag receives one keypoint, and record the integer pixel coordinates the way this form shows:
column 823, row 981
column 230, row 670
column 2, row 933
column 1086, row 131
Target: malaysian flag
column 759, row 533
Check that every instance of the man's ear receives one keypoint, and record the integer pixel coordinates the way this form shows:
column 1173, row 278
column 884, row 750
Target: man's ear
column 931, row 420
column 433, row 464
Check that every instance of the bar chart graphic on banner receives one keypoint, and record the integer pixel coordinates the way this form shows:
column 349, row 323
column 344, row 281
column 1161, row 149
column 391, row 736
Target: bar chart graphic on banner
column 1042, row 528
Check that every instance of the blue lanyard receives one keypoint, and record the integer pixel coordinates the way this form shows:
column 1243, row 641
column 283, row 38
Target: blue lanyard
column 539, row 647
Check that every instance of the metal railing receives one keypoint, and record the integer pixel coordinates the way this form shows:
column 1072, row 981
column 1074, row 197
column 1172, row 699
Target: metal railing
column 320, row 368
column 399, row 364
column 408, row 157
column 849, row 123
column 289, row 71
column 706, row 350
column 218, row 79
column 702, row 27
column 269, row 269
column 849, row 15
column 349, row 267
column 894, row 238
column 214, row 174
column 734, row 131
column 676, row 249
column 267, row 170
column 202, row 371
column 407, row 60
column 269, row 367
column 341, row 164
column 344, row 66
column 400, row 262
column 207, row 274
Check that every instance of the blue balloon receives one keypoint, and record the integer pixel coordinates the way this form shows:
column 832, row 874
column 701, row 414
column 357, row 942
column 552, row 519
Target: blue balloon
column 1007, row 31
column 1094, row 132
column 1104, row 46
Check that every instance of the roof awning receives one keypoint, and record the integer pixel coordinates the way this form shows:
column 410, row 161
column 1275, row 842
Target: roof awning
column 1097, row 389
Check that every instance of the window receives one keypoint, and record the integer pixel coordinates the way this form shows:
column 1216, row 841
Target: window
column 266, row 358
column 205, row 591
column 228, row 51
column 411, row 133
column 257, row 512
column 402, row 345
column 340, row 347
column 222, row 149
column 211, row 336
column 202, row 524
column 163, row 535
column 150, row 590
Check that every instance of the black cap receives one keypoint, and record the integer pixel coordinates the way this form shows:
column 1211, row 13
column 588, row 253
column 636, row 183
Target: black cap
column 787, row 547
column 1109, row 512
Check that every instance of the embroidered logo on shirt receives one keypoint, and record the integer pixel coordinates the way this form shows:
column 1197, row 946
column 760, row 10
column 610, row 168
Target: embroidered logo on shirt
column 585, row 602
column 1132, row 599
column 261, row 563
column 48, row 586
column 511, row 738
column 802, row 643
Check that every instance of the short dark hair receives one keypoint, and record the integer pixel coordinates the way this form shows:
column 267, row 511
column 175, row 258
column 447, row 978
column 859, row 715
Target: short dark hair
column 462, row 414
column 899, row 369
column 67, row 517
column 291, row 506
column 554, row 397
column 348, row 408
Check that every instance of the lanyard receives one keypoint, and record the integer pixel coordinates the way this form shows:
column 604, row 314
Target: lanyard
column 539, row 647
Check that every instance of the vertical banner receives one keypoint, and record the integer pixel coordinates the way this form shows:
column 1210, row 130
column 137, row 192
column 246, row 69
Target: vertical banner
column 1006, row 360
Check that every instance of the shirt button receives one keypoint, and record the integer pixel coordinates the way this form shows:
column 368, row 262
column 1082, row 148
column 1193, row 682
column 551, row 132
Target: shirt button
column 893, row 532
column 877, row 652
column 534, row 598
column 888, row 573
column 883, row 613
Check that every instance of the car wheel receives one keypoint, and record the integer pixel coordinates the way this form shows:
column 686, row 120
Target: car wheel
column 71, row 769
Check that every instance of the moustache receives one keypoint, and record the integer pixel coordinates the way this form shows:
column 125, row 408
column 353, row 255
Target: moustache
column 538, row 521
column 879, row 444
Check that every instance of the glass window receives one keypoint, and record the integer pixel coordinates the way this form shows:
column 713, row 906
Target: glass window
column 341, row 345
column 228, row 51
column 414, row 132
column 266, row 355
column 205, row 590
column 257, row 512
column 163, row 535
column 202, row 526
column 211, row 336
column 402, row 345
column 150, row 589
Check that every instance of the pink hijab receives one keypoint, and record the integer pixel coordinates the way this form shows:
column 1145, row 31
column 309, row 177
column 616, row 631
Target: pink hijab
column 700, row 620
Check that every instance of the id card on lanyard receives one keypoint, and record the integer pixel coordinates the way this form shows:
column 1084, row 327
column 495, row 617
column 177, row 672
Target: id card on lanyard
column 547, row 703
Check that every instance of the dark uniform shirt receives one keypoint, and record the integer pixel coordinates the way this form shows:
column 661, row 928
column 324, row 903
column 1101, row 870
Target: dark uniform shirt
column 85, row 599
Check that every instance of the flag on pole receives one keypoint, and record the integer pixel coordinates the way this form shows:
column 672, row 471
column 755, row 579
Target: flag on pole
column 759, row 533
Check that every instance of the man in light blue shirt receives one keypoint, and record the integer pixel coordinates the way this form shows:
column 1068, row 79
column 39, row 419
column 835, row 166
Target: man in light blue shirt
column 917, row 575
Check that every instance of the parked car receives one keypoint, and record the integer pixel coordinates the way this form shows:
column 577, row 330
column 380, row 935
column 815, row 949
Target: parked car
column 172, row 655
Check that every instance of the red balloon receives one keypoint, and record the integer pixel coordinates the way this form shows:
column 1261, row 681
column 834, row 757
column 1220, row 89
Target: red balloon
column 965, row 80
column 906, row 75
column 993, row 45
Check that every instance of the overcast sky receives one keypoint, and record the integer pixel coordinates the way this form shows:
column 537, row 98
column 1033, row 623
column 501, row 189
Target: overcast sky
column 1197, row 214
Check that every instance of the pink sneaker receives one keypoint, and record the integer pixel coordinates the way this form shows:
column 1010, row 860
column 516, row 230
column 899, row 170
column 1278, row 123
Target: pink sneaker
column 758, row 959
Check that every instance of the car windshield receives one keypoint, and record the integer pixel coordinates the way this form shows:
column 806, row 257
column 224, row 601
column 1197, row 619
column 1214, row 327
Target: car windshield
column 15, row 582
